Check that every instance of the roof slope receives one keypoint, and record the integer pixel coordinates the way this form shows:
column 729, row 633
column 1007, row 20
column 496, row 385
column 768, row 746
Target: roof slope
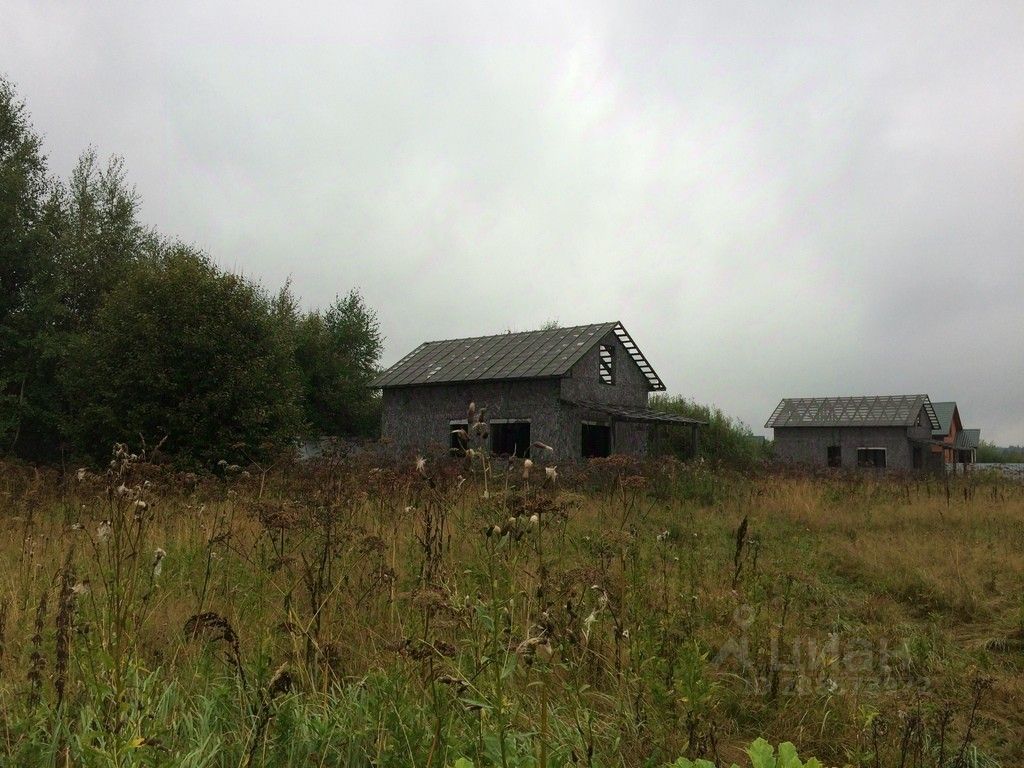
column 944, row 413
column 967, row 439
column 526, row 355
column 877, row 411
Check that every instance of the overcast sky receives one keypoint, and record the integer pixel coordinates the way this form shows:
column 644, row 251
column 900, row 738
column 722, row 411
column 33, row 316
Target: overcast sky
column 777, row 200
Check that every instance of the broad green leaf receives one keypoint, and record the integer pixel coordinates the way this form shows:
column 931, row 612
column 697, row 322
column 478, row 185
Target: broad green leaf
column 787, row 756
column 762, row 755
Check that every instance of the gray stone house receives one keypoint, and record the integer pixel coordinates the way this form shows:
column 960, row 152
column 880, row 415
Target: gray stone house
column 581, row 390
column 893, row 432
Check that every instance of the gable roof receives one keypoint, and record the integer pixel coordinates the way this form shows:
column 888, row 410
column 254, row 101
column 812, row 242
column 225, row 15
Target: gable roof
column 877, row 411
column 967, row 439
column 944, row 413
column 527, row 355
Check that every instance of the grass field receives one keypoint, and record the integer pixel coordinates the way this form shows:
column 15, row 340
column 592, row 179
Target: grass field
column 340, row 613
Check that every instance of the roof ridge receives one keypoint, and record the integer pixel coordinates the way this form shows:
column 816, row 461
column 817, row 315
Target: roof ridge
column 612, row 323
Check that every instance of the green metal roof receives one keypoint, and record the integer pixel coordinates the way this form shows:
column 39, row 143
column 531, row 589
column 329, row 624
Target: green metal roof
column 527, row 355
column 944, row 413
column 967, row 439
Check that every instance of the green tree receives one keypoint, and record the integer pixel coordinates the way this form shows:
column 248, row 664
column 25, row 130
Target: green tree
column 183, row 350
column 24, row 187
column 337, row 353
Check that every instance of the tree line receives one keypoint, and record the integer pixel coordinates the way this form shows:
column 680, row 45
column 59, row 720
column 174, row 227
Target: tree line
column 111, row 332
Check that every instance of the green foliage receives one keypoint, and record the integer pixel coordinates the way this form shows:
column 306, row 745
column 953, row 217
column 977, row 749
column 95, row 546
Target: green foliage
column 181, row 349
column 110, row 333
column 990, row 453
column 337, row 352
column 725, row 440
column 762, row 755
column 24, row 186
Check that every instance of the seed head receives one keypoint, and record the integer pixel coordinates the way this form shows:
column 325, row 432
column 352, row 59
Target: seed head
column 534, row 519
column 104, row 531
column 421, row 465
column 551, row 473
column 281, row 682
column 543, row 650
column 158, row 562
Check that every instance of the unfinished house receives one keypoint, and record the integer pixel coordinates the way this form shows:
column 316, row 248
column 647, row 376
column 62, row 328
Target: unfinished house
column 954, row 444
column 892, row 432
column 582, row 391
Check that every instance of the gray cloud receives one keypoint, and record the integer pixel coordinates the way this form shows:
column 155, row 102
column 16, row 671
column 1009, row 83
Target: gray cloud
column 777, row 200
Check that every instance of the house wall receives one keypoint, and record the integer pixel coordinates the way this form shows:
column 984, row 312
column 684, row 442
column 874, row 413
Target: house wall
column 417, row 419
column 809, row 445
column 947, row 452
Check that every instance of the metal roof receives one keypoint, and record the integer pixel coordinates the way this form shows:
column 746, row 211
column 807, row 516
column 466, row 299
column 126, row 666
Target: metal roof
column 967, row 439
column 635, row 413
column 527, row 355
column 944, row 413
column 877, row 411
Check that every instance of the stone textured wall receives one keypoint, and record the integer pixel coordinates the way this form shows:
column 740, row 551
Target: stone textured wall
column 416, row 419
column 809, row 445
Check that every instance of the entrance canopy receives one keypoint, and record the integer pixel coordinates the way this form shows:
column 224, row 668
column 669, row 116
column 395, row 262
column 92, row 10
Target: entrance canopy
column 636, row 414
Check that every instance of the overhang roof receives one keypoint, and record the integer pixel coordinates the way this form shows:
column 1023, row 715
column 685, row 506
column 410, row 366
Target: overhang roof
column 944, row 413
column 967, row 439
column 871, row 411
column 635, row 413
column 527, row 355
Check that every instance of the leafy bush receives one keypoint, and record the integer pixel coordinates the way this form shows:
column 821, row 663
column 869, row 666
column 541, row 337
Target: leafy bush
column 725, row 440
column 762, row 755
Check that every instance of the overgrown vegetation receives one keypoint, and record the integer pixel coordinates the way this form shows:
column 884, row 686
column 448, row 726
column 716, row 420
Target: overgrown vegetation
column 483, row 612
column 725, row 440
column 109, row 331
column 990, row 453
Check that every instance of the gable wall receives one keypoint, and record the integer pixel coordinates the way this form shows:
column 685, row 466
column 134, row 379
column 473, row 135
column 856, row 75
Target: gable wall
column 583, row 381
column 630, row 388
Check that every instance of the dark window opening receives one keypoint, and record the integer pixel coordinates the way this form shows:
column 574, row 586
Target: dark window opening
column 597, row 441
column 835, row 456
column 871, row 457
column 607, row 355
column 918, row 457
column 458, row 443
column 510, row 438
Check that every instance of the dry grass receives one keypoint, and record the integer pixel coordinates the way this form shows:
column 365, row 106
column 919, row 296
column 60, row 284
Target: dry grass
column 341, row 613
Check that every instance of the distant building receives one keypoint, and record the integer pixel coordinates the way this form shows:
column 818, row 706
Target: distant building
column 890, row 432
column 581, row 390
column 956, row 445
